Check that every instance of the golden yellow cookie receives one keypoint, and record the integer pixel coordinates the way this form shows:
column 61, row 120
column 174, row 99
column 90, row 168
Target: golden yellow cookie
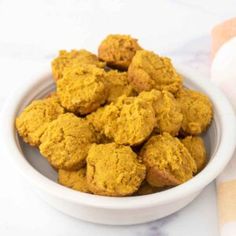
column 168, row 161
column 74, row 179
column 167, row 108
column 67, row 59
column 196, row 148
column 66, row 142
column 113, row 170
column 149, row 71
column 82, row 89
column 129, row 121
column 34, row 119
column 118, row 50
column 117, row 84
column 197, row 111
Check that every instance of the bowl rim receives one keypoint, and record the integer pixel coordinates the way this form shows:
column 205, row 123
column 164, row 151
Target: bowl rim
column 222, row 156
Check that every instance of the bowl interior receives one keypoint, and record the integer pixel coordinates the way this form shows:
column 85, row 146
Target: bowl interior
column 38, row 162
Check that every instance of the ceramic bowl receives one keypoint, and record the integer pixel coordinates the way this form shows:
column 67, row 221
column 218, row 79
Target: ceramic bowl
column 220, row 141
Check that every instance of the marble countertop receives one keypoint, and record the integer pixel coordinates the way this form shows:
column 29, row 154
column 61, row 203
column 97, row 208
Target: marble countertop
column 31, row 33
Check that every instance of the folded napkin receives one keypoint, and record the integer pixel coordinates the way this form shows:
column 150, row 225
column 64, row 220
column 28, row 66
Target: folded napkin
column 223, row 74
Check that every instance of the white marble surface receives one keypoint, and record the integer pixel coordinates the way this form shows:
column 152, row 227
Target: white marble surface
column 31, row 32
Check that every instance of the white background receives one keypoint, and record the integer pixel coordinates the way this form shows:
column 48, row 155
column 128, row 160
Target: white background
column 31, row 33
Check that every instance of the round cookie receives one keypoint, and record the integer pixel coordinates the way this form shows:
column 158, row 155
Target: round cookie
column 134, row 123
column 118, row 85
column 129, row 121
column 74, row 179
column 82, row 89
column 167, row 108
column 197, row 111
column 118, row 50
column 113, row 170
column 34, row 119
column 196, row 148
column 149, row 71
column 67, row 59
column 66, row 142
column 168, row 161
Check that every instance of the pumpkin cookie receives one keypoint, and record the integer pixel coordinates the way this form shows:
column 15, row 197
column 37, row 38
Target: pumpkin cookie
column 113, row 170
column 167, row 109
column 82, row 89
column 118, row 85
column 118, row 50
column 197, row 111
column 168, row 161
column 129, row 121
column 33, row 121
column 196, row 148
column 67, row 59
column 149, row 71
column 66, row 142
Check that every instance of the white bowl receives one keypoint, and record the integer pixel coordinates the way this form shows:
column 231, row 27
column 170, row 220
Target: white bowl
column 220, row 140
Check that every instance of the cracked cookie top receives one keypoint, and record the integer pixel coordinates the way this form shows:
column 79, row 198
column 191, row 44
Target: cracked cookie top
column 66, row 142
